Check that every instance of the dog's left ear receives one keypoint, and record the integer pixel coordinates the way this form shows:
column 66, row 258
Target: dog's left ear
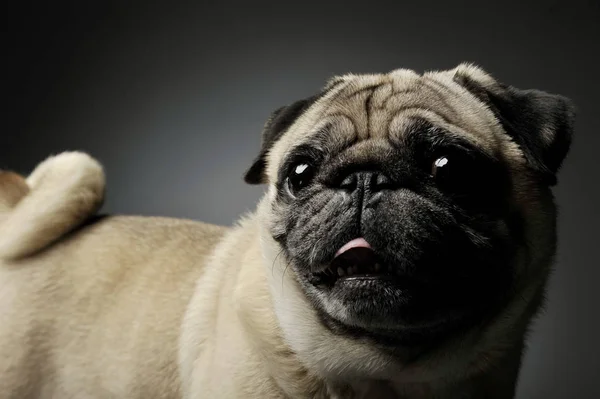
column 277, row 124
column 540, row 123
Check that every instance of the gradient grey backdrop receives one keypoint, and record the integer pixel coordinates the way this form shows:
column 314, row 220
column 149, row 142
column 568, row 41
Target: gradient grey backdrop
column 172, row 101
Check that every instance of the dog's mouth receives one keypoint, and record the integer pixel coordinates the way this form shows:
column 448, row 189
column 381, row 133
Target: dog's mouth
column 366, row 288
column 355, row 261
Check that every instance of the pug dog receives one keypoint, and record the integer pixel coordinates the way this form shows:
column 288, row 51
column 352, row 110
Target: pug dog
column 401, row 250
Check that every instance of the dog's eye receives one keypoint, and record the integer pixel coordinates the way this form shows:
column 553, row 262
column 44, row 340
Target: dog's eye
column 300, row 177
column 456, row 172
column 440, row 168
column 450, row 172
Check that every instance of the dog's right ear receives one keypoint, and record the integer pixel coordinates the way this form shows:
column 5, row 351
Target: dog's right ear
column 540, row 123
column 277, row 124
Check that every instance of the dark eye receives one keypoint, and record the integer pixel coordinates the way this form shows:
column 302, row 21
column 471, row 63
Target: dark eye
column 440, row 168
column 454, row 172
column 457, row 173
column 300, row 176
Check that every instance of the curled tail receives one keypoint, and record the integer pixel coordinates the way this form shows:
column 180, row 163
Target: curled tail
column 60, row 194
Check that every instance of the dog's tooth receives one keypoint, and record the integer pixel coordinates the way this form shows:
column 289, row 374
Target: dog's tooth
column 377, row 267
column 340, row 272
column 350, row 270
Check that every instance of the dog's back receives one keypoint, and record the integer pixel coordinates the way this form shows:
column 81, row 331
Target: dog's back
column 74, row 289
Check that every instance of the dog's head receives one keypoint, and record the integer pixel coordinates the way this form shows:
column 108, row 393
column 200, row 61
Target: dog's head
column 411, row 209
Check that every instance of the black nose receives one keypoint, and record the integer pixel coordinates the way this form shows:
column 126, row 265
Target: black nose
column 366, row 180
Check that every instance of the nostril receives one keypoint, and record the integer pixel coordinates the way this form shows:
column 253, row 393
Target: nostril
column 349, row 183
column 381, row 182
column 371, row 181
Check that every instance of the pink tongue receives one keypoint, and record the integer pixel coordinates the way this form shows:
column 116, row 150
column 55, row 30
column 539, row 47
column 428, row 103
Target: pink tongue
column 356, row 243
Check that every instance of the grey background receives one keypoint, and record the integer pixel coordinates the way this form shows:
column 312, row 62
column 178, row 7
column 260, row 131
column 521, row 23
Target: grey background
column 172, row 101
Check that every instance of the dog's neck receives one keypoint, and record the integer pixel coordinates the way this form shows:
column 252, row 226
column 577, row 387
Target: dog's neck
column 254, row 303
column 255, row 311
column 283, row 365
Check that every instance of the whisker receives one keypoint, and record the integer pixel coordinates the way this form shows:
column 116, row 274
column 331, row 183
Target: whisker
column 275, row 260
column 287, row 264
column 284, row 270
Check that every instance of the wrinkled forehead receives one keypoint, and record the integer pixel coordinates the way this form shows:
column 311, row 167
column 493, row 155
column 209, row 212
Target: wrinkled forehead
column 386, row 106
